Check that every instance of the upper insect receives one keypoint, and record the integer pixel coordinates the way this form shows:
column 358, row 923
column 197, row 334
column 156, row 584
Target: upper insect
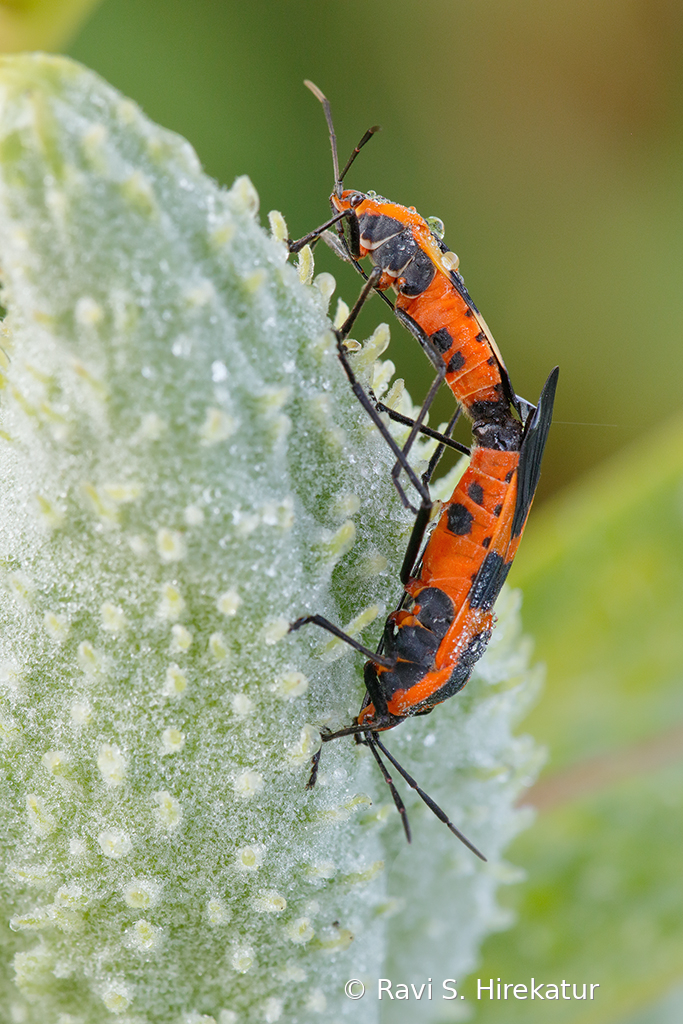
column 433, row 303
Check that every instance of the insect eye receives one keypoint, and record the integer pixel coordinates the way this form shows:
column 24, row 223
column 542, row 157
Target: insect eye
column 356, row 199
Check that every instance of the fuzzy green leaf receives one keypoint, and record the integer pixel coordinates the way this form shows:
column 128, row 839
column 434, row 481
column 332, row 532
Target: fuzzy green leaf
column 184, row 472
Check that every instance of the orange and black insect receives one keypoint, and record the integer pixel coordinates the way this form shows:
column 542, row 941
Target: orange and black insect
column 432, row 300
column 443, row 624
column 444, row 621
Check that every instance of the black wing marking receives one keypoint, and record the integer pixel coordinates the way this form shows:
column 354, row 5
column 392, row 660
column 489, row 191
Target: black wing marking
column 531, row 453
column 488, row 582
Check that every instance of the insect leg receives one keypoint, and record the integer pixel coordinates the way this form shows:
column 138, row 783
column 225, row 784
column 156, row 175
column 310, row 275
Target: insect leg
column 369, row 405
column 444, row 442
column 443, row 439
column 402, row 462
column 315, row 761
column 340, row 247
column 314, row 235
column 371, row 280
column 319, row 620
column 369, row 741
column 423, row 517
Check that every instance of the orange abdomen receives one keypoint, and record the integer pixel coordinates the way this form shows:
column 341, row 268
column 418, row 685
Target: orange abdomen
column 473, row 374
column 475, row 522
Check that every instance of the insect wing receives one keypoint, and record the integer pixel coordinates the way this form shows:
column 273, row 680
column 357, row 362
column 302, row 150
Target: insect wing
column 533, row 445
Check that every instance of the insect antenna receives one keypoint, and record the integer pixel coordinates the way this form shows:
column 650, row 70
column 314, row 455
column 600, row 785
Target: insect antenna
column 366, row 138
column 338, row 178
column 431, row 804
column 372, row 741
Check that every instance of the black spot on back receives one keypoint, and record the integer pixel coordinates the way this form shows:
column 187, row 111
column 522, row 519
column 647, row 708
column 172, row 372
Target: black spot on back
column 417, row 645
column 457, row 361
column 497, row 510
column 442, row 340
column 459, row 519
column 476, row 492
column 486, row 542
column 414, row 647
column 403, row 677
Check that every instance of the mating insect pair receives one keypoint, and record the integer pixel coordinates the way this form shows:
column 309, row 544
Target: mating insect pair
column 444, row 620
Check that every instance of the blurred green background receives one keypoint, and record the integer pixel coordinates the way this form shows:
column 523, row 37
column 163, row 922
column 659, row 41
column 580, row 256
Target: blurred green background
column 548, row 138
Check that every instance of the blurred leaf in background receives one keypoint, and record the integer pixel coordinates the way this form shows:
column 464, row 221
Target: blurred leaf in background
column 40, row 24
